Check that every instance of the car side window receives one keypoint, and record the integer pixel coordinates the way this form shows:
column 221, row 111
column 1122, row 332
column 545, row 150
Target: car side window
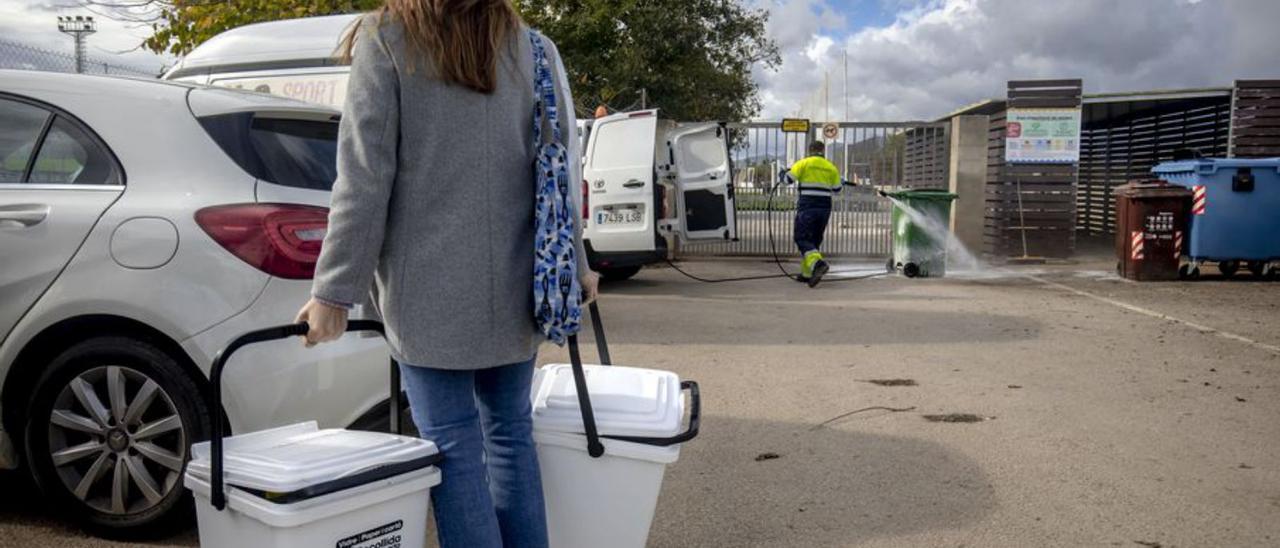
column 69, row 156
column 20, row 127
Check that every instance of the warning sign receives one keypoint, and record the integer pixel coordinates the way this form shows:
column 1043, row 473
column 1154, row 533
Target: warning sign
column 795, row 125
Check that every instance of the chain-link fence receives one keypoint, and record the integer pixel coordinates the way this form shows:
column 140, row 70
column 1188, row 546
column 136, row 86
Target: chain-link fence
column 14, row 55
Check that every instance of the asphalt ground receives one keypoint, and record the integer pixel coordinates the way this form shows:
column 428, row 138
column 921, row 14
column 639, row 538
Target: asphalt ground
column 1109, row 413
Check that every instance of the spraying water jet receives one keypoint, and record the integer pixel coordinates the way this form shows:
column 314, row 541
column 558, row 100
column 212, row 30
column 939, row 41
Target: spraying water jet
column 922, row 239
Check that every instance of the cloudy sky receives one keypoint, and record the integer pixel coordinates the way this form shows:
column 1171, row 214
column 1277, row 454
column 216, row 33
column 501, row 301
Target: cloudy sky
column 921, row 59
column 914, row 59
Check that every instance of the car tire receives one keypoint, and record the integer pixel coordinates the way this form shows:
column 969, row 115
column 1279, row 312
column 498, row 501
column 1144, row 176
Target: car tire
column 618, row 273
column 111, row 412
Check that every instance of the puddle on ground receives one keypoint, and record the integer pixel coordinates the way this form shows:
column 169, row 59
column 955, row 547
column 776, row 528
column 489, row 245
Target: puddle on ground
column 956, row 417
column 892, row 382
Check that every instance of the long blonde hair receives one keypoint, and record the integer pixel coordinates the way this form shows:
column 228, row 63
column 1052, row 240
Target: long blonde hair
column 462, row 38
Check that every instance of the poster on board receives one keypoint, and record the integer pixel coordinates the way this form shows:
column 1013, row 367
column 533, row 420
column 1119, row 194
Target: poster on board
column 1042, row 136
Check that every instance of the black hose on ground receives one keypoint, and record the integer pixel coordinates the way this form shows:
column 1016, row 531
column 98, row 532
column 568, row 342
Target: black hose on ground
column 777, row 259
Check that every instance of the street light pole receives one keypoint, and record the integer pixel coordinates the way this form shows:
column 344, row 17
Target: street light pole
column 79, row 27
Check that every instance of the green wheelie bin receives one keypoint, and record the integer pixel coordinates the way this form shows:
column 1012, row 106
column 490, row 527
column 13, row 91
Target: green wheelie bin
column 920, row 235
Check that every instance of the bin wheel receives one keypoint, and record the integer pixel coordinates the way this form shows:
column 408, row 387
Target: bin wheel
column 1258, row 268
column 911, row 270
column 890, row 267
column 1189, row 272
column 1229, row 268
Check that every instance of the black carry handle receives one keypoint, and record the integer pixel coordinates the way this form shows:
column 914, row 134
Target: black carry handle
column 594, row 447
column 219, row 498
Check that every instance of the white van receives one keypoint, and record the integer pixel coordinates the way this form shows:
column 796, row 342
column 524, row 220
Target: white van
column 646, row 181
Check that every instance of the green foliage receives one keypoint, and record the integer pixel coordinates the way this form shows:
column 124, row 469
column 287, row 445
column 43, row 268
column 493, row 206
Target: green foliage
column 185, row 24
column 690, row 58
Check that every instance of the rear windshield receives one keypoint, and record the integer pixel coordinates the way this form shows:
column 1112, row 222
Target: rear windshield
column 618, row 144
column 294, row 153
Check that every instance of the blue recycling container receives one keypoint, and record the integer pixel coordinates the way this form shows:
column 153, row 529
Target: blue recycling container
column 1235, row 209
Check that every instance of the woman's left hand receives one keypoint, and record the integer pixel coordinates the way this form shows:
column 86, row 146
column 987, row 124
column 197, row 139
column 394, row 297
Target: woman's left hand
column 590, row 283
column 327, row 322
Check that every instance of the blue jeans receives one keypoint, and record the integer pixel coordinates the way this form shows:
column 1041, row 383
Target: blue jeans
column 490, row 493
column 812, row 214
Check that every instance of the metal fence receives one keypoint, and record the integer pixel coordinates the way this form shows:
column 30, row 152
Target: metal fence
column 14, row 55
column 886, row 156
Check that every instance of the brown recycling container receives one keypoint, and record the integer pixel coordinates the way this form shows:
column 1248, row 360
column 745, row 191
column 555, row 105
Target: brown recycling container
column 1151, row 227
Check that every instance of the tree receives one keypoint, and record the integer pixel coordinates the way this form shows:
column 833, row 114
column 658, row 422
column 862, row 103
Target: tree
column 178, row 26
column 690, row 58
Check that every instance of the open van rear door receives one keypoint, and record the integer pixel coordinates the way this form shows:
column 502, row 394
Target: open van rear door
column 704, row 183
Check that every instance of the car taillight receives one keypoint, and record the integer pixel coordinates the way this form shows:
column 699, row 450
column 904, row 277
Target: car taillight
column 282, row 240
column 586, row 200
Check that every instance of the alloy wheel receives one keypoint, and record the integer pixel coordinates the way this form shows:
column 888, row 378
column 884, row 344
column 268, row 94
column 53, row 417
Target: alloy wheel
column 116, row 440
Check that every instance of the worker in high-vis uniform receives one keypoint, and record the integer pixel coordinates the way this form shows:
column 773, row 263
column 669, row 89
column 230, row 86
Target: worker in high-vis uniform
column 818, row 181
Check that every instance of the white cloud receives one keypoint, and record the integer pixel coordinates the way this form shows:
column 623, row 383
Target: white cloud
column 947, row 53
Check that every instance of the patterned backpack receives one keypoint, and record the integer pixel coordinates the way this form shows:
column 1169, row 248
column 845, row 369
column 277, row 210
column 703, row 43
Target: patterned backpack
column 557, row 294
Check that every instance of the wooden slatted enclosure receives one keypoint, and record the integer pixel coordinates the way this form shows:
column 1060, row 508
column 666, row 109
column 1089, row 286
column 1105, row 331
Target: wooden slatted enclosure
column 1255, row 124
column 1122, row 141
column 1035, row 200
column 926, row 157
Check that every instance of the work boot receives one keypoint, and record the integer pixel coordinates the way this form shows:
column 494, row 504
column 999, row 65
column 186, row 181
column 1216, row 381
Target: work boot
column 802, row 278
column 820, row 269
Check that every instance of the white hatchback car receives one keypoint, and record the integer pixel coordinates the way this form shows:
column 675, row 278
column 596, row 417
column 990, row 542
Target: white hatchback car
column 143, row 225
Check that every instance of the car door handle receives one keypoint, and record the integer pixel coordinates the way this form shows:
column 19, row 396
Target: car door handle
column 23, row 215
column 634, row 183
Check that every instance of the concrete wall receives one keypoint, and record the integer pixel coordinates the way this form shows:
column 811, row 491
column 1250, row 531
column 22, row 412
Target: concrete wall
column 968, row 178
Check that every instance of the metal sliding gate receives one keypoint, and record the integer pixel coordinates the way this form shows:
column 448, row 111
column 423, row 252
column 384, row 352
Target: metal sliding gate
column 888, row 156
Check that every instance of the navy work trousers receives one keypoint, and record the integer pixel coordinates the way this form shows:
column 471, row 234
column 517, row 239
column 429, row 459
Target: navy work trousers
column 812, row 214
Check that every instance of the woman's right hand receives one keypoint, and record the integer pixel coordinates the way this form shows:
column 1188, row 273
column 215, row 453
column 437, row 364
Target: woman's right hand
column 590, row 283
column 327, row 322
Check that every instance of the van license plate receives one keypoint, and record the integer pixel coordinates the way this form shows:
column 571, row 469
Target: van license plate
column 624, row 217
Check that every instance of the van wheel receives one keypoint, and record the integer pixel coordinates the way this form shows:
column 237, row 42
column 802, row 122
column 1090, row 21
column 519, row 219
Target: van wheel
column 618, row 273
column 108, row 436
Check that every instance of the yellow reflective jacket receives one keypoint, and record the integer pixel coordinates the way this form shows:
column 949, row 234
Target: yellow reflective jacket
column 816, row 176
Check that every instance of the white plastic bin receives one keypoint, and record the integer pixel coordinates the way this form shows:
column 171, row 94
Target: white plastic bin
column 297, row 486
column 607, row 500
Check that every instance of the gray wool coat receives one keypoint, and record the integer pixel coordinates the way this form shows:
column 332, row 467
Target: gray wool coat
column 431, row 217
